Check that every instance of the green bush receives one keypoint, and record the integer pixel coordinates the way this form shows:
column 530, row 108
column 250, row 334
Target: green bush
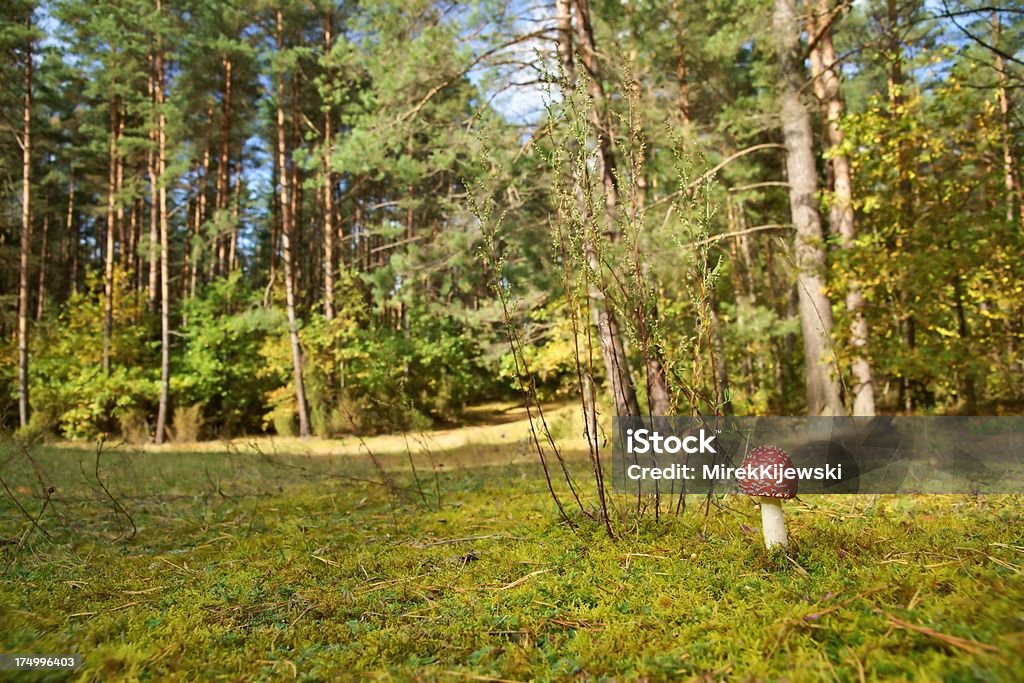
column 67, row 384
column 220, row 366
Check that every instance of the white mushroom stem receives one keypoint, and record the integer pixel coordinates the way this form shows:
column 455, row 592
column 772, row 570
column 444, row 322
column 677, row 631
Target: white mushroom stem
column 772, row 522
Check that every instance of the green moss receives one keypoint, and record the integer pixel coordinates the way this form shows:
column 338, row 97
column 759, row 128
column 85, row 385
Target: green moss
column 263, row 568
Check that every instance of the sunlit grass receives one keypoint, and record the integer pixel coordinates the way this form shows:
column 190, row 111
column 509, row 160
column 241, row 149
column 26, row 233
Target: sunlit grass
column 245, row 566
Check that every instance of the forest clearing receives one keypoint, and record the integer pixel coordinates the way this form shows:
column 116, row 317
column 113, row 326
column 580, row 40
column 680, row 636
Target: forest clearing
column 264, row 568
column 501, row 340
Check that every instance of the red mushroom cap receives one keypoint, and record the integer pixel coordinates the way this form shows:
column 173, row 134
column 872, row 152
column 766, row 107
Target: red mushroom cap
column 772, row 487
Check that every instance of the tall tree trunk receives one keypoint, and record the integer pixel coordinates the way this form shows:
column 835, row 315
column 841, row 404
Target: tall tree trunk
column 809, row 251
column 236, row 209
column 223, row 170
column 165, row 290
column 194, row 243
column 41, row 287
column 287, row 233
column 71, row 235
column 721, row 368
column 969, row 385
column 202, row 215
column 25, row 250
column 841, row 218
column 275, row 228
column 131, row 248
column 108, row 254
column 154, row 229
column 1010, row 178
column 563, row 25
column 328, row 190
column 682, row 70
column 609, row 335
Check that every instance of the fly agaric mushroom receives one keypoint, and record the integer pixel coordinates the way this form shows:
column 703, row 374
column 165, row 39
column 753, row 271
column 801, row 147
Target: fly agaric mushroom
column 771, row 490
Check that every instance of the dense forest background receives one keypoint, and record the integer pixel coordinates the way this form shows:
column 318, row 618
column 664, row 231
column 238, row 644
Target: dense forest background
column 320, row 217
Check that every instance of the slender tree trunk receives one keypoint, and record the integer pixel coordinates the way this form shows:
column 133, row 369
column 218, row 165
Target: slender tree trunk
column 154, row 229
column 108, row 255
column 275, row 225
column 567, row 63
column 165, row 290
column 682, row 70
column 76, row 255
column 25, row 250
column 599, row 119
column 286, row 239
column 236, row 209
column 969, row 385
column 71, row 235
column 194, row 243
column 609, row 335
column 1010, row 178
column 563, row 25
column 202, row 215
column 223, row 169
column 809, row 251
column 328, row 191
column 131, row 249
column 41, row 287
column 120, row 240
column 841, row 217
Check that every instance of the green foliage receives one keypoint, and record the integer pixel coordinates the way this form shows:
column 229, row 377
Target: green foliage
column 427, row 104
column 67, row 382
column 939, row 261
column 751, row 333
column 220, row 367
column 364, row 376
column 549, row 354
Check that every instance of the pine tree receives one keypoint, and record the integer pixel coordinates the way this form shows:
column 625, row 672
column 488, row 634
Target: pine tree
column 808, row 249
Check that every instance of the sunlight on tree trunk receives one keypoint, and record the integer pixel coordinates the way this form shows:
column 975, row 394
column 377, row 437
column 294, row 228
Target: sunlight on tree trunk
column 165, row 247
column 287, row 217
column 25, row 250
column 825, row 71
column 808, row 249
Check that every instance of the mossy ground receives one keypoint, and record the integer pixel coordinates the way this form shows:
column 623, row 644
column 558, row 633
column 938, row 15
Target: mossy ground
column 250, row 567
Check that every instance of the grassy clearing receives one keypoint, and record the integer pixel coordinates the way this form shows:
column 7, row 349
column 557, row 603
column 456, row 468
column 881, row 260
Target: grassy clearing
column 258, row 567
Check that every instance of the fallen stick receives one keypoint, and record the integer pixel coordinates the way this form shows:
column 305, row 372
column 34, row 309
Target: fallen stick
column 972, row 646
column 521, row 580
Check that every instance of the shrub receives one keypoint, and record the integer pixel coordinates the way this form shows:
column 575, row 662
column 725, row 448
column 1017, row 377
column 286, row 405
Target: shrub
column 221, row 366
column 133, row 426
column 67, row 379
column 187, row 424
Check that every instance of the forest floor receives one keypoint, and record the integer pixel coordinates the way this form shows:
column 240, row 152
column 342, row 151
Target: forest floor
column 243, row 564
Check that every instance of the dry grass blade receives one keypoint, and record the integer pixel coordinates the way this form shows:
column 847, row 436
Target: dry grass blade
column 479, row 677
column 449, row 541
column 390, row 582
column 521, row 580
column 1003, row 563
column 972, row 646
column 578, row 624
column 177, row 566
column 814, row 616
column 796, row 565
column 125, row 606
